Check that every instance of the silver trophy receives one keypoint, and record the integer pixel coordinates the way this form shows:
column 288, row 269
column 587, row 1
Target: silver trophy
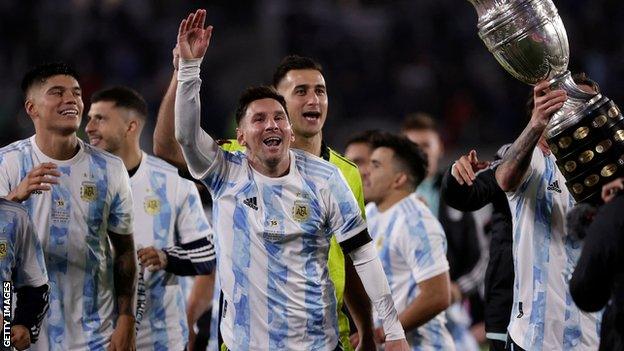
column 586, row 135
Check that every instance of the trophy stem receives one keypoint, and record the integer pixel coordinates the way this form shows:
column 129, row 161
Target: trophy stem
column 574, row 108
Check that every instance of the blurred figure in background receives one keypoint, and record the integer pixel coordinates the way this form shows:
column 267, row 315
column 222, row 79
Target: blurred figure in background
column 169, row 220
column 468, row 185
column 467, row 253
column 598, row 279
column 410, row 241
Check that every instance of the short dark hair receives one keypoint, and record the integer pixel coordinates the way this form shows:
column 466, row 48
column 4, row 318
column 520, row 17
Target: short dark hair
column 365, row 137
column 257, row 93
column 292, row 62
column 409, row 155
column 40, row 73
column 580, row 78
column 419, row 121
column 122, row 97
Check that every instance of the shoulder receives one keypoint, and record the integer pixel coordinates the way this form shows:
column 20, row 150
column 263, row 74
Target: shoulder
column 13, row 209
column 103, row 156
column 312, row 166
column 16, row 148
column 346, row 166
column 159, row 164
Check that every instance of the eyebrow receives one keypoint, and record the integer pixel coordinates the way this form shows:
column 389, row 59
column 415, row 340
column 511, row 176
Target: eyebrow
column 64, row 88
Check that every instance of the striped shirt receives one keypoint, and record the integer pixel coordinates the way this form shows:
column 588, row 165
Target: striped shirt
column 544, row 317
column 273, row 239
column 412, row 248
column 72, row 221
column 167, row 212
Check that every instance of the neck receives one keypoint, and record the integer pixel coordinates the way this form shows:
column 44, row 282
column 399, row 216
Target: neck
column 131, row 156
column 272, row 171
column 391, row 199
column 309, row 144
column 58, row 147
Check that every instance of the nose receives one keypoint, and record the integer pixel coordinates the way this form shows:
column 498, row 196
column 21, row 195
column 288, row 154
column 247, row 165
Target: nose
column 70, row 98
column 90, row 127
column 271, row 124
column 313, row 99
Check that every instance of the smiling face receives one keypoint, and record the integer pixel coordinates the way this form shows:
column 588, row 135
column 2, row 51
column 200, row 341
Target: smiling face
column 107, row 126
column 306, row 98
column 56, row 105
column 266, row 133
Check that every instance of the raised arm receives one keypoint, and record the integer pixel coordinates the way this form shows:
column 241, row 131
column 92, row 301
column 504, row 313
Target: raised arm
column 165, row 144
column 198, row 148
column 518, row 158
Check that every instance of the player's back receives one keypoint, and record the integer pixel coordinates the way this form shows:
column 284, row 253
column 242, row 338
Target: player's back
column 72, row 221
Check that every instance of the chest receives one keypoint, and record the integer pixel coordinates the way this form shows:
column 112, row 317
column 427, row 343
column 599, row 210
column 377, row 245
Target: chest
column 154, row 210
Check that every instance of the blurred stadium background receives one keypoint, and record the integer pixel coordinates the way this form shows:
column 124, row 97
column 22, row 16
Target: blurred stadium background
column 382, row 59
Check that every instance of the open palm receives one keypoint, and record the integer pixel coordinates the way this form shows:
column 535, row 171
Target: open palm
column 193, row 38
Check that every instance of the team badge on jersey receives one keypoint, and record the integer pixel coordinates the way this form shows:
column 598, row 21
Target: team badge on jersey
column 3, row 249
column 88, row 191
column 301, row 210
column 152, row 205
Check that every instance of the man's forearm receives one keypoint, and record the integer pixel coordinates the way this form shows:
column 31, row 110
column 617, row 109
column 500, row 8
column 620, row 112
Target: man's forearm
column 517, row 159
column 124, row 272
column 357, row 301
column 165, row 144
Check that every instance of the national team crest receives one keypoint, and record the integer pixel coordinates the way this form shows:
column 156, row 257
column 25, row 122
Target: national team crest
column 301, row 211
column 88, row 191
column 152, row 205
column 3, row 249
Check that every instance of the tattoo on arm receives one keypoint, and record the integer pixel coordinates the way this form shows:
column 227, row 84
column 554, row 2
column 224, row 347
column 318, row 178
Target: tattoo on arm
column 124, row 271
column 517, row 159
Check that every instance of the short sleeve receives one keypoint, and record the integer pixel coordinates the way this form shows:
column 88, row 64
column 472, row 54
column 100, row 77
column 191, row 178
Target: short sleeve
column 222, row 169
column 5, row 180
column 344, row 217
column 191, row 222
column 423, row 247
column 120, row 220
column 536, row 168
column 30, row 269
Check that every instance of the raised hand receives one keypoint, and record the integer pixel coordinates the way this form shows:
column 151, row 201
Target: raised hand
column 193, row 38
column 465, row 167
column 38, row 179
column 546, row 102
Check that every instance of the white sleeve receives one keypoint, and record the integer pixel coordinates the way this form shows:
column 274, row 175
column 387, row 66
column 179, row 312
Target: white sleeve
column 423, row 247
column 121, row 215
column 198, row 148
column 191, row 222
column 370, row 270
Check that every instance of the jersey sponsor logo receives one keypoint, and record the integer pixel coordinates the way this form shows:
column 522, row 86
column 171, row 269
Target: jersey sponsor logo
column 88, row 191
column 554, row 186
column 251, row 202
column 3, row 249
column 151, row 205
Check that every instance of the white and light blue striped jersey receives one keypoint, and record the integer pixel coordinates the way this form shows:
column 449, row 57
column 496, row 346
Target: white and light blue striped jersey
column 21, row 257
column 72, row 221
column 167, row 212
column 412, row 248
column 544, row 317
column 272, row 245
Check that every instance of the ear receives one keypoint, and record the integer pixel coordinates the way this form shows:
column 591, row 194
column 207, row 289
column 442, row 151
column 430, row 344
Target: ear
column 132, row 126
column 400, row 180
column 240, row 138
column 30, row 107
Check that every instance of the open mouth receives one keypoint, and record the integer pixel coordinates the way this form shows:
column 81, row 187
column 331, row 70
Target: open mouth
column 312, row 116
column 272, row 141
column 94, row 140
column 69, row 112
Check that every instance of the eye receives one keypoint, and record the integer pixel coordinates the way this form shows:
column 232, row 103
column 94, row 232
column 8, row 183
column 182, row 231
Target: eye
column 320, row 91
column 77, row 93
column 300, row 92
